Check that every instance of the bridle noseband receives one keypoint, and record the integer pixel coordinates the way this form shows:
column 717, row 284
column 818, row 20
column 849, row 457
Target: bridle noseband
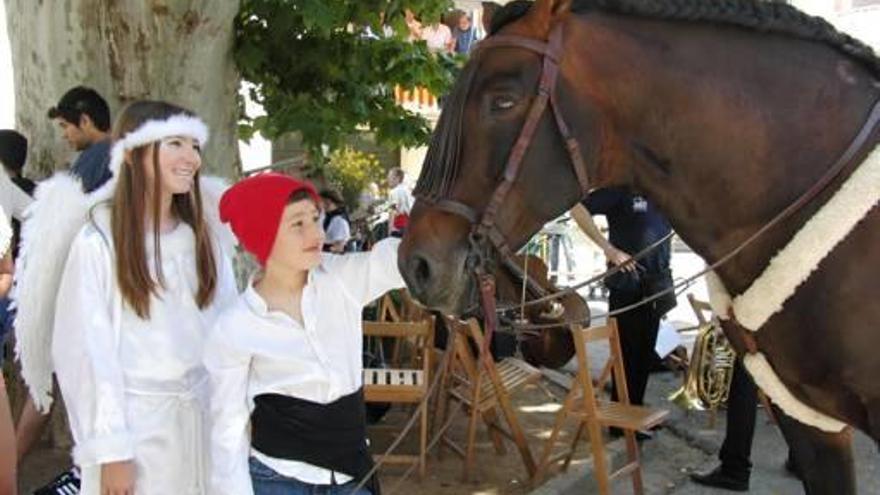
column 484, row 227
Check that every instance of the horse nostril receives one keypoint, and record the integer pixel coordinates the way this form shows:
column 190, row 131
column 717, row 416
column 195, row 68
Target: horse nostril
column 421, row 271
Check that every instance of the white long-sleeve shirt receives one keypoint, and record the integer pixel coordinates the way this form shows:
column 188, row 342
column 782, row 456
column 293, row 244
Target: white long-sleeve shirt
column 254, row 351
column 107, row 358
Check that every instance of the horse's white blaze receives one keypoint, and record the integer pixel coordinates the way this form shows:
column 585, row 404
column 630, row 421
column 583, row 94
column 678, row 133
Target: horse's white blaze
column 793, row 265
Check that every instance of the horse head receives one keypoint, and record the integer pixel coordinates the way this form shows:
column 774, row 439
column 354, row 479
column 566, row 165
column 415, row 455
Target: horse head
column 479, row 129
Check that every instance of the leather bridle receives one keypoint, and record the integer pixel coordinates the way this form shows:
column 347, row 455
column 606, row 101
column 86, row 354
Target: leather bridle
column 484, row 226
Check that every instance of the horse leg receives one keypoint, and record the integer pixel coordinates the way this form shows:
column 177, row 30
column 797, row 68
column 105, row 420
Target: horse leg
column 823, row 460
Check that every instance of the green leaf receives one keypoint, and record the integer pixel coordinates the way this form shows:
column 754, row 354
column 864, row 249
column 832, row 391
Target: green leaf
column 315, row 72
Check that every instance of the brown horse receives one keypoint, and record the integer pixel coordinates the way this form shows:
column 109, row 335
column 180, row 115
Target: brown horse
column 722, row 113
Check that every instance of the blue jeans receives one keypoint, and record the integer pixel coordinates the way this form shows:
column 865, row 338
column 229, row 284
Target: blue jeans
column 267, row 482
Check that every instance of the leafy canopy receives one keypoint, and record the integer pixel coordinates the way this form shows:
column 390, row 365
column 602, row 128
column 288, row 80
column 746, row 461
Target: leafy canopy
column 315, row 69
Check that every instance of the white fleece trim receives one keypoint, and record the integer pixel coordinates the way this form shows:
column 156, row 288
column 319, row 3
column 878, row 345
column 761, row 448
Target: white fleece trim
column 765, row 377
column 154, row 130
column 719, row 298
column 813, row 242
column 767, row 380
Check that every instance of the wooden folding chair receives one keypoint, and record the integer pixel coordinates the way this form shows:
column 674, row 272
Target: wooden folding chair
column 388, row 310
column 483, row 388
column 593, row 414
column 403, row 385
column 398, row 305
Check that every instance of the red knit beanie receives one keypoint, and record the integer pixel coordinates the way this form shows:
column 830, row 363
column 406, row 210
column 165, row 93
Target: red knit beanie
column 253, row 209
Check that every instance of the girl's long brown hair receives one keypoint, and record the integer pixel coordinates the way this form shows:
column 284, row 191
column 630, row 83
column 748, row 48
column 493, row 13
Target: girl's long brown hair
column 129, row 215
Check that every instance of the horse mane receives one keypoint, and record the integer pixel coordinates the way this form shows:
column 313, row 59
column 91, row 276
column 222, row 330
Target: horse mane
column 758, row 15
column 441, row 165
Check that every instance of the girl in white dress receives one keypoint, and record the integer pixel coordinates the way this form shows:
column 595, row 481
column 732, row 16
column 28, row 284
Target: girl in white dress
column 141, row 286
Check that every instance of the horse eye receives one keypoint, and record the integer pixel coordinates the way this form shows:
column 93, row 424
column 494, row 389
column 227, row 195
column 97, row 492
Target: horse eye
column 503, row 103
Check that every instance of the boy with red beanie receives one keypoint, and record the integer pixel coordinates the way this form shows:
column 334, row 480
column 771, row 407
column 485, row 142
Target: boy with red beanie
column 286, row 360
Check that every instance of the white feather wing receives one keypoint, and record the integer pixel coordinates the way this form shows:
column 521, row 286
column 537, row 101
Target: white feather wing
column 58, row 213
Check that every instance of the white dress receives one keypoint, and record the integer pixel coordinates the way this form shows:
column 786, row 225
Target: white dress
column 135, row 389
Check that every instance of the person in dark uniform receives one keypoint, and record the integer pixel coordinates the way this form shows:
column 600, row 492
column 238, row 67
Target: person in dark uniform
column 634, row 223
column 736, row 466
column 742, row 409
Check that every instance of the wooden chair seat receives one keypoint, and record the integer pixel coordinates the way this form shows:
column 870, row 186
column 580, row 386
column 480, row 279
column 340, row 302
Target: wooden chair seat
column 624, row 416
column 513, row 374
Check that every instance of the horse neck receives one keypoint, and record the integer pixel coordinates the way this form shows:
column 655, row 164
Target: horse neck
column 721, row 129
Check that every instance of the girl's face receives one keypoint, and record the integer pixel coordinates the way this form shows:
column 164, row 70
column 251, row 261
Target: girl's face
column 179, row 159
column 300, row 237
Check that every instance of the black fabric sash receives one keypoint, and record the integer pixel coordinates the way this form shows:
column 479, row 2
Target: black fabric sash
column 331, row 436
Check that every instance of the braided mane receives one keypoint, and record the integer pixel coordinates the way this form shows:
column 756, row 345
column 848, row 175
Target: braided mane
column 757, row 15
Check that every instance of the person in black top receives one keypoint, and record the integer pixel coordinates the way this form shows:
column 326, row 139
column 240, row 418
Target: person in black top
column 13, row 154
column 634, row 223
column 84, row 118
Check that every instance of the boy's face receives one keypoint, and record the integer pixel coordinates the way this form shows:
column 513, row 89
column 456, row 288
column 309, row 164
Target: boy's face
column 300, row 237
column 75, row 136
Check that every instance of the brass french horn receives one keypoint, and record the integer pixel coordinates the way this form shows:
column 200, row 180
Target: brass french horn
column 709, row 373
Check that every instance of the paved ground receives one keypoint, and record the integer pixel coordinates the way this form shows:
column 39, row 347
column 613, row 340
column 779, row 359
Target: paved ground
column 687, row 444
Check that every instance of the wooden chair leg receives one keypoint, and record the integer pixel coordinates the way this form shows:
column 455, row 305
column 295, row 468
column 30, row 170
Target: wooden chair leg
column 577, row 437
column 544, row 462
column 600, row 463
column 423, row 440
column 442, row 402
column 632, row 451
column 440, row 419
column 519, row 437
column 471, row 440
column 490, row 417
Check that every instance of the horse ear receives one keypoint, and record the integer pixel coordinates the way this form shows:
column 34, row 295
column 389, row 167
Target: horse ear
column 545, row 12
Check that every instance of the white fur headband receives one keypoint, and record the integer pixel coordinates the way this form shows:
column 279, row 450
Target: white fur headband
column 154, row 130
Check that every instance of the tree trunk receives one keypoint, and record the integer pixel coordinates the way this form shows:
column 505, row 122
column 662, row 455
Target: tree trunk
column 180, row 51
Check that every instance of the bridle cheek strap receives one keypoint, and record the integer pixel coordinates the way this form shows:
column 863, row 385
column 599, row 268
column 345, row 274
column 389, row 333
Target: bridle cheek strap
column 484, row 227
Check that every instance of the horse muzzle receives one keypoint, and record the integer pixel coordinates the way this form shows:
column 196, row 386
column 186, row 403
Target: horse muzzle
column 440, row 283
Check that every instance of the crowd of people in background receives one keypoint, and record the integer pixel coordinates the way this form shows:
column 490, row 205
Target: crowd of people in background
column 453, row 32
